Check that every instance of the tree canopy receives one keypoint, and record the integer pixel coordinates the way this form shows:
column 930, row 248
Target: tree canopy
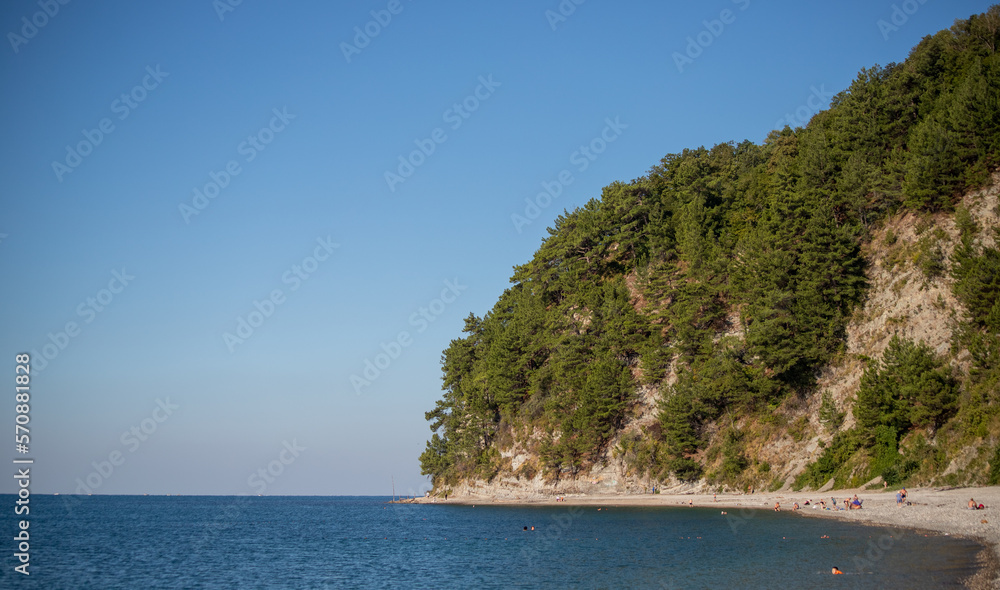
column 737, row 268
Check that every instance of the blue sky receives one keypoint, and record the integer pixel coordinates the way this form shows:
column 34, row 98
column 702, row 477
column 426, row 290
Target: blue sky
column 116, row 113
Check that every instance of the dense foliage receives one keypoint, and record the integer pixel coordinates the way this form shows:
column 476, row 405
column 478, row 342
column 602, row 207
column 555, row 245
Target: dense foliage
column 910, row 387
column 759, row 240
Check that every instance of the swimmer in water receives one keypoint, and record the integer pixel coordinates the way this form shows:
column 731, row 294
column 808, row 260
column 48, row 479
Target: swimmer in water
column 836, row 570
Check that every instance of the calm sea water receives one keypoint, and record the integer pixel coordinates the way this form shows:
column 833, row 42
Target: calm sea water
column 140, row 542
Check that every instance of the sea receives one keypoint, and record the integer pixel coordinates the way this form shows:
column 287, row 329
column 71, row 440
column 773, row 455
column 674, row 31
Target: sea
column 245, row 542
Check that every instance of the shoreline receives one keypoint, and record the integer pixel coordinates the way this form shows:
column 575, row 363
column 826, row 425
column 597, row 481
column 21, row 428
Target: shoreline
column 938, row 510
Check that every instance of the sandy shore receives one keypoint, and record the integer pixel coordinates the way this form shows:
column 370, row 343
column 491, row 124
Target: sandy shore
column 943, row 510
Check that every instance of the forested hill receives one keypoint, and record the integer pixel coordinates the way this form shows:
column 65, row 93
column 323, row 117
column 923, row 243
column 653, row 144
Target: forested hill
column 728, row 318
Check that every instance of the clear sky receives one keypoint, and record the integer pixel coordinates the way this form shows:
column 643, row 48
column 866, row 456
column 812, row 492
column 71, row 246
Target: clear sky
column 214, row 216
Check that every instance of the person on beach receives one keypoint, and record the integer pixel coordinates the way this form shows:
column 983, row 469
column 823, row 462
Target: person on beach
column 899, row 499
column 795, row 506
column 902, row 491
column 777, row 507
column 973, row 505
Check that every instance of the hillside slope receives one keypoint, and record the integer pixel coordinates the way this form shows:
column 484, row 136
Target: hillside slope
column 822, row 306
